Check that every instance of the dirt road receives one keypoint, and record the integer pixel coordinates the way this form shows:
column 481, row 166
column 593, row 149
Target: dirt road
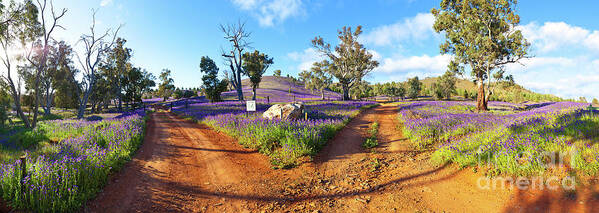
column 184, row 166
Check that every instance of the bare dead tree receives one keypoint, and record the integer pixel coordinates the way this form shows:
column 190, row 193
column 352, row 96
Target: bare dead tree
column 96, row 45
column 237, row 36
column 46, row 30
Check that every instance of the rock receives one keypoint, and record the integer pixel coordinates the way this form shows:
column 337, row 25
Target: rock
column 289, row 111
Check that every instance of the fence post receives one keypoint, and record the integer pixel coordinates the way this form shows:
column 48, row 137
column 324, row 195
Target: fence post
column 281, row 114
column 23, row 174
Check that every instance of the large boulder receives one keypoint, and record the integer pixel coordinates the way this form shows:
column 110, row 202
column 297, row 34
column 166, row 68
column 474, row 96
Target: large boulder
column 284, row 112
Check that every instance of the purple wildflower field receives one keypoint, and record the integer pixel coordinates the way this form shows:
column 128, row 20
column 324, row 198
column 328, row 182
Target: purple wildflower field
column 513, row 140
column 64, row 173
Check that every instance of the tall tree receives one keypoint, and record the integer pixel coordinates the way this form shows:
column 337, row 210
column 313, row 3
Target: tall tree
column 350, row 61
column 166, row 87
column 18, row 24
column 317, row 78
column 115, row 67
column 414, row 87
column 95, row 47
column 42, row 46
column 237, row 36
column 255, row 65
column 445, row 86
column 136, row 82
column 480, row 34
column 212, row 86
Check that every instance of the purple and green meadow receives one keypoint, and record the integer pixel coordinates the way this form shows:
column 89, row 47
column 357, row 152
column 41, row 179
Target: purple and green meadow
column 285, row 141
column 67, row 161
column 514, row 139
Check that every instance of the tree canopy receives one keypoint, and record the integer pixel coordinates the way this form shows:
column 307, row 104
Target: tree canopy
column 255, row 65
column 349, row 62
column 212, row 86
column 482, row 35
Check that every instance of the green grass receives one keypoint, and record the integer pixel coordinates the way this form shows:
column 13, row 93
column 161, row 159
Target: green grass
column 371, row 141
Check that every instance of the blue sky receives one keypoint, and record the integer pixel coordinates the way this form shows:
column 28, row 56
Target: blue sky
column 176, row 34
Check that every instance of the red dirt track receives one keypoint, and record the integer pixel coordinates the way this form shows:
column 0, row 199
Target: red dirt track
column 187, row 167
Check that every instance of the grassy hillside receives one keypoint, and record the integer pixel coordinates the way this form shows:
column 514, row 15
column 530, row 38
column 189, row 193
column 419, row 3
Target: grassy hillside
column 515, row 93
column 279, row 89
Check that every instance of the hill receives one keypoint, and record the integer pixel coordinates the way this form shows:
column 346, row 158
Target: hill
column 515, row 93
column 279, row 89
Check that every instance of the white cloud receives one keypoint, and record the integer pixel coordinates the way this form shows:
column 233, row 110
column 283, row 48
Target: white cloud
column 104, row 3
column 305, row 58
column 552, row 36
column 541, row 62
column 246, row 4
column 418, row 27
column 436, row 64
column 271, row 12
column 592, row 41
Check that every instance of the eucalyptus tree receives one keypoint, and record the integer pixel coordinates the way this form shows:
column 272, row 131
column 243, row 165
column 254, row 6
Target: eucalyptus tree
column 136, row 82
column 212, row 86
column 445, row 86
column 414, row 87
column 317, row 78
column 166, row 87
column 349, row 61
column 115, row 67
column 483, row 36
column 255, row 65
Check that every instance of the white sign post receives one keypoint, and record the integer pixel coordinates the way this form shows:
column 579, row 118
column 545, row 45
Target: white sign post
column 250, row 106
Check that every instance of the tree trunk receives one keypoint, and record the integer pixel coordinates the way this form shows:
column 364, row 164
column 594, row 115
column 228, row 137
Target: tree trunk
column 19, row 109
column 238, row 86
column 322, row 94
column 48, row 101
column 345, row 88
column 254, row 93
column 83, row 103
column 481, row 103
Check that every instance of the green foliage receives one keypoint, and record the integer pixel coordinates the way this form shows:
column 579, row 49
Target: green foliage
column 4, row 105
column 115, row 68
column 317, row 78
column 350, row 62
column 390, row 89
column 414, row 87
column 255, row 65
column 371, row 141
column 136, row 82
column 582, row 100
column 445, row 86
column 212, row 86
column 277, row 73
column 166, row 87
column 595, row 101
column 482, row 35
